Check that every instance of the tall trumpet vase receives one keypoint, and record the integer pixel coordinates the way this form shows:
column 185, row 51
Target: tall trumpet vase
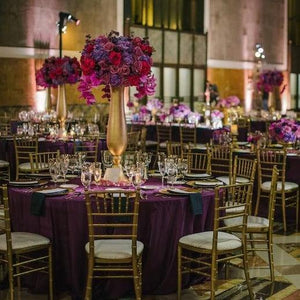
column 61, row 109
column 116, row 134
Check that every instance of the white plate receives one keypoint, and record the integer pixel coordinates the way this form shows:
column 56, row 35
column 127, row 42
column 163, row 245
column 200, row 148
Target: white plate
column 177, row 182
column 60, row 180
column 149, row 187
column 242, row 150
column 55, row 191
column 154, row 175
column 29, row 182
column 208, row 183
column 197, row 175
column 69, row 186
column 71, row 176
column 179, row 191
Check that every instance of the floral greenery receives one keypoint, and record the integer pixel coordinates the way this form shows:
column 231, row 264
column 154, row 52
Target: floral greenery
column 254, row 137
column 57, row 71
column 230, row 101
column 115, row 61
column 285, row 130
column 179, row 111
column 268, row 80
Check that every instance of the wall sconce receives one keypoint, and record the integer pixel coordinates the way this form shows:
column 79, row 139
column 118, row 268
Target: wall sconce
column 259, row 52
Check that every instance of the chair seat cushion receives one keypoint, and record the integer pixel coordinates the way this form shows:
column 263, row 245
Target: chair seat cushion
column 253, row 222
column 203, row 240
column 22, row 240
column 26, row 167
column 239, row 179
column 114, row 249
column 150, row 143
column 163, row 145
column 287, row 186
column 4, row 163
column 232, row 209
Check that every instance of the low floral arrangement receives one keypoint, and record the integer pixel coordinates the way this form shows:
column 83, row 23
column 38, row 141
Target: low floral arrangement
column 268, row 80
column 116, row 61
column 194, row 117
column 219, row 134
column 285, row 130
column 57, row 71
column 228, row 102
column 154, row 105
column 254, row 137
column 179, row 111
column 216, row 114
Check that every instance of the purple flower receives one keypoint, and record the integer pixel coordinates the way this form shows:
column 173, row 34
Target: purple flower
column 154, row 104
column 216, row 114
column 269, row 79
column 230, row 101
column 285, row 130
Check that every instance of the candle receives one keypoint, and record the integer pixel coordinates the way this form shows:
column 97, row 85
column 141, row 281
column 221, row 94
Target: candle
column 234, row 129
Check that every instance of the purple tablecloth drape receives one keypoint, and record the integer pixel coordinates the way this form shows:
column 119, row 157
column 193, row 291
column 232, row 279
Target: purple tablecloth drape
column 162, row 221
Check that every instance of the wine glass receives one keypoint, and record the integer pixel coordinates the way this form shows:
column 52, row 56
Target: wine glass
column 172, row 172
column 86, row 178
column 54, row 170
column 97, row 171
column 64, row 165
column 162, row 170
column 138, row 177
column 107, row 159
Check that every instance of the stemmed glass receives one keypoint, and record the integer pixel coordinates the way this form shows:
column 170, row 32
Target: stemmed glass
column 86, row 177
column 54, row 170
column 172, row 172
column 147, row 156
column 107, row 159
column 64, row 165
column 97, row 171
column 162, row 169
column 138, row 177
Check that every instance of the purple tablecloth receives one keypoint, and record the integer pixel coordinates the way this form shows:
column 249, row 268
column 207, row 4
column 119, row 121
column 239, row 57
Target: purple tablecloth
column 162, row 221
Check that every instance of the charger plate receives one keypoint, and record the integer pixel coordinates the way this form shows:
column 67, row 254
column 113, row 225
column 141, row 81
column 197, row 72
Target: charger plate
column 205, row 183
column 178, row 191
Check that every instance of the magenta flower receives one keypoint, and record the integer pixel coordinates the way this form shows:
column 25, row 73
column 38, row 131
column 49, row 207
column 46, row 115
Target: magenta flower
column 269, row 79
column 115, row 61
column 57, row 71
column 285, row 130
column 154, row 104
column 230, row 101
column 179, row 111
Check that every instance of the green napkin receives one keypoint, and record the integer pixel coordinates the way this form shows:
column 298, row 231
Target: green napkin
column 196, row 203
column 37, row 207
column 121, row 219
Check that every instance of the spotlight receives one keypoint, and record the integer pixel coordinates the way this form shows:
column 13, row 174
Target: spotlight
column 259, row 52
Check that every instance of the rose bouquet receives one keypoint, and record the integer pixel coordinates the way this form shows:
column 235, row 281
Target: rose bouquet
column 179, row 111
column 116, row 61
column 57, row 71
column 285, row 130
column 268, row 80
column 230, row 101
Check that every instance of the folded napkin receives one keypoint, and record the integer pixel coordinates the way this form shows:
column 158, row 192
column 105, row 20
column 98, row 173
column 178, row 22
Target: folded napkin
column 37, row 207
column 196, row 203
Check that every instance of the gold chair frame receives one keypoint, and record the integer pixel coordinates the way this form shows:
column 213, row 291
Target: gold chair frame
column 199, row 162
column 90, row 149
column 113, row 217
column 16, row 252
column 39, row 162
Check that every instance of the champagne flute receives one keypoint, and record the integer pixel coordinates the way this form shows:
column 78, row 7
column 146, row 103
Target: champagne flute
column 162, row 170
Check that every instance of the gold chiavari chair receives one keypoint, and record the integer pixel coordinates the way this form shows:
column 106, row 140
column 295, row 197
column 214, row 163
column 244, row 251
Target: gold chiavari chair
column 5, row 128
column 133, row 140
column 261, row 229
column 113, row 249
column 23, row 147
column 87, row 145
column 199, row 162
column 4, row 170
column 243, row 171
column 164, row 134
column 39, row 162
column 287, row 193
column 174, row 148
column 221, row 161
column 188, row 134
column 23, row 252
column 200, row 253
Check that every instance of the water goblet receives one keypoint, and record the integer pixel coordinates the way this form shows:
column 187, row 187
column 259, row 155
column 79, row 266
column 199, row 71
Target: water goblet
column 162, row 170
column 172, row 172
column 107, row 159
column 97, row 172
column 86, row 178
column 54, row 170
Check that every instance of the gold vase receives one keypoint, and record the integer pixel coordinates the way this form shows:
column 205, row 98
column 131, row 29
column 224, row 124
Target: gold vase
column 61, row 109
column 48, row 100
column 274, row 100
column 116, row 134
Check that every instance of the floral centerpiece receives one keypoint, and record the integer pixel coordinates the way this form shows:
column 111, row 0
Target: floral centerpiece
column 179, row 111
column 194, row 117
column 231, row 101
column 254, row 137
column 285, row 131
column 268, row 80
column 154, row 105
column 221, row 136
column 216, row 118
column 116, row 61
column 58, row 71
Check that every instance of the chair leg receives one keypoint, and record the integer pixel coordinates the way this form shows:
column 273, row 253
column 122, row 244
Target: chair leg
column 50, row 272
column 19, row 277
column 179, row 275
column 252, row 243
column 257, row 203
column 246, row 270
column 283, row 213
column 136, row 280
column 11, row 282
column 89, row 281
column 297, row 211
column 270, row 254
column 213, row 279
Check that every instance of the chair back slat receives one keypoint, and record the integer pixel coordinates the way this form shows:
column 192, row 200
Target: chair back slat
column 199, row 162
column 87, row 145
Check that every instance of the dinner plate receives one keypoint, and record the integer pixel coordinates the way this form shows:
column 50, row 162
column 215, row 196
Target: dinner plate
column 197, row 175
column 155, row 175
column 27, row 183
column 53, row 192
column 149, row 187
column 69, row 186
column 212, row 182
column 178, row 182
column 178, row 191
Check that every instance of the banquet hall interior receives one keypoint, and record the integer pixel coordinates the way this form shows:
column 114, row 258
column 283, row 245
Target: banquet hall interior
column 155, row 142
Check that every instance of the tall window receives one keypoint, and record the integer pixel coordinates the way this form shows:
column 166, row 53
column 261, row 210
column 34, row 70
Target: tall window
column 175, row 29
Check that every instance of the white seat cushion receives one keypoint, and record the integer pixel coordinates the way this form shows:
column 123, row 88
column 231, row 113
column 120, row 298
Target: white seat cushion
column 232, row 209
column 25, row 167
column 150, row 143
column 4, row 163
column 114, row 249
column 287, row 186
column 239, row 179
column 203, row 240
column 22, row 240
column 163, row 145
column 253, row 222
